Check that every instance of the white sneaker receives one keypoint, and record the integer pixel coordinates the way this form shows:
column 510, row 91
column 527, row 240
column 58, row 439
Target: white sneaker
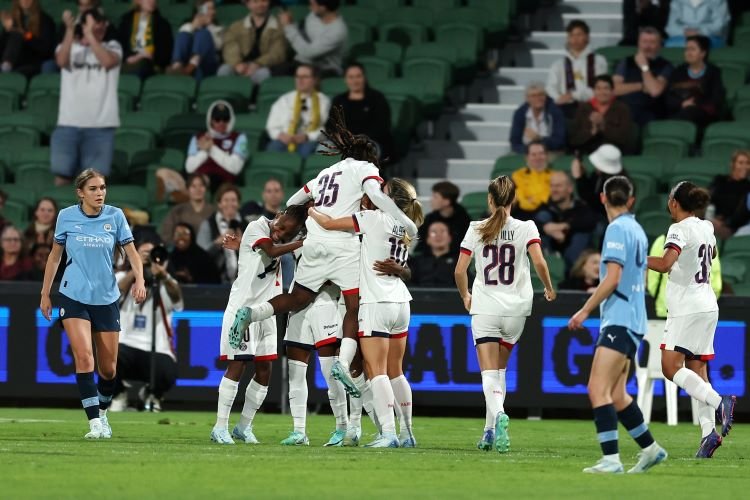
column 106, row 428
column 605, row 466
column 648, row 457
column 221, row 436
column 95, row 429
column 353, row 435
column 245, row 435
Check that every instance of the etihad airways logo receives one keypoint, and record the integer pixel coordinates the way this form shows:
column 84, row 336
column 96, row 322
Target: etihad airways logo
column 93, row 241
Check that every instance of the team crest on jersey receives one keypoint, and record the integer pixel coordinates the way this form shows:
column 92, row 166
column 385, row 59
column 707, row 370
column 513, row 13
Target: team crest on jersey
column 108, row 227
column 62, row 312
column 243, row 347
column 226, row 144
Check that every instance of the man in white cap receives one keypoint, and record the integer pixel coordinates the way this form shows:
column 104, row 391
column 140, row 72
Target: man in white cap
column 607, row 162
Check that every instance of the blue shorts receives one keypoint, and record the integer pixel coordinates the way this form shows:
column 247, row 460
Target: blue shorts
column 102, row 318
column 73, row 149
column 620, row 339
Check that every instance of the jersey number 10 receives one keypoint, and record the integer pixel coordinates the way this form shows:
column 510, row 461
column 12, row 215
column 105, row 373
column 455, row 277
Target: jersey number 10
column 705, row 256
column 398, row 250
column 504, row 259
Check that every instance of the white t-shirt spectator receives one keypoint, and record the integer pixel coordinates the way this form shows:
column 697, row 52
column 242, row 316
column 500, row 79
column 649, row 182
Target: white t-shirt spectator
column 282, row 112
column 88, row 92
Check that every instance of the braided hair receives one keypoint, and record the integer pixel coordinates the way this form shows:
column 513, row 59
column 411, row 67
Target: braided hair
column 341, row 142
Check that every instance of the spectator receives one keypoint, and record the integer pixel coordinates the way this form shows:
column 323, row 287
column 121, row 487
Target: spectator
column 254, row 45
column 296, row 117
column 445, row 209
column 565, row 222
column 220, row 152
column 89, row 113
column 571, row 80
column 607, row 162
column 226, row 219
column 532, row 182
column 322, row 41
column 196, row 50
column 695, row 90
column 272, row 198
column 39, row 254
column 146, row 39
column 688, row 18
column 435, row 266
column 640, row 14
column 640, row 80
column 584, row 276
column 366, row 111
column 14, row 262
column 603, row 120
column 188, row 262
column 27, row 39
column 538, row 120
column 42, row 228
column 134, row 356
column 193, row 212
column 728, row 195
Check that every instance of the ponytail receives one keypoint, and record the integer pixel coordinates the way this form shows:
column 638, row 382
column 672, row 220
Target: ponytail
column 404, row 196
column 691, row 198
column 501, row 194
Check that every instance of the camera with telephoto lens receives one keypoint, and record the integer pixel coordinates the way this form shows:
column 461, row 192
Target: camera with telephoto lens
column 159, row 256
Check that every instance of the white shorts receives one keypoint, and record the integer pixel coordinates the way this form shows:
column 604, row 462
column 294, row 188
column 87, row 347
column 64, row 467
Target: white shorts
column 504, row 329
column 337, row 262
column 258, row 342
column 691, row 335
column 314, row 327
column 384, row 319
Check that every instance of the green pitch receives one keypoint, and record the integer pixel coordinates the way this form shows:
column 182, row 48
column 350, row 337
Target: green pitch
column 168, row 455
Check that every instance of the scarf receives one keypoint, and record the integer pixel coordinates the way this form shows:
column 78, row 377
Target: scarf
column 599, row 107
column 570, row 81
column 148, row 36
column 296, row 117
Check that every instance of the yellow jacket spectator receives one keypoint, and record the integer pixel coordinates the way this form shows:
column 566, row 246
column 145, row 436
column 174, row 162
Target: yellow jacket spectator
column 656, row 282
column 532, row 182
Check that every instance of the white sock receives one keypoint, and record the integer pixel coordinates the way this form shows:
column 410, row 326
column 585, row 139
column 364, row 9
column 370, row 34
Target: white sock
column 489, row 419
column 383, row 398
column 94, row 421
column 336, row 393
column 355, row 407
column 227, row 393
column 347, row 351
column 261, row 312
column 365, row 387
column 493, row 393
column 298, row 394
column 615, row 457
column 255, row 394
column 707, row 418
column 697, row 387
column 399, row 415
column 402, row 393
column 501, row 372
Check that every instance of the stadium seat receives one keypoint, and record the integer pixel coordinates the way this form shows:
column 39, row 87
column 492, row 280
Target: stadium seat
column 178, row 13
column 689, row 167
column 506, row 165
column 179, row 129
column 378, row 70
column 269, row 160
column 655, row 224
column 434, row 78
column 367, row 16
column 736, row 245
column 731, row 55
column 404, row 34
column 14, row 82
column 436, row 5
column 234, row 89
column 163, row 157
column 465, row 38
column 24, row 196
column 333, row 86
column 404, row 118
column 381, row 4
column 115, row 10
column 409, row 15
column 675, row 55
column 170, row 84
column 615, row 54
column 652, row 203
column 34, row 175
column 467, row 15
column 433, row 50
column 644, row 165
column 45, row 82
column 157, row 213
column 17, row 213
column 565, row 161
column 46, row 105
column 671, row 129
column 28, row 155
column 63, row 195
column 475, row 204
column 727, row 130
column 722, row 148
column 556, row 265
column 743, row 94
column 314, row 164
column 130, row 85
column 131, row 140
column 126, row 103
column 668, row 150
column 18, row 138
column 498, row 14
column 384, row 50
column 166, row 104
column 251, row 193
column 258, row 176
column 358, row 33
column 127, row 195
column 734, row 269
column 9, row 101
column 226, row 14
column 276, row 86
column 644, row 184
column 253, row 125
column 145, row 120
column 733, row 76
column 741, row 109
column 742, row 37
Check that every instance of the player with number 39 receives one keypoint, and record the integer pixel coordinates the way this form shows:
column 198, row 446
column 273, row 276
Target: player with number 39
column 501, row 296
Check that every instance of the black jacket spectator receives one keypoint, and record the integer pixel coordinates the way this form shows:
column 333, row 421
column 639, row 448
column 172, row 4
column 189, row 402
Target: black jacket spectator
column 161, row 33
column 638, row 14
column 29, row 44
column 607, row 161
column 729, row 194
column 435, row 267
column 188, row 262
column 445, row 209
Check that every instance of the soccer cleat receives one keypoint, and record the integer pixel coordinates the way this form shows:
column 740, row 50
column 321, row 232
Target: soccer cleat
column 95, row 429
column 106, row 429
column 221, row 436
column 502, row 440
column 296, row 438
column 119, row 402
column 245, row 435
column 408, row 442
column 241, row 323
column 342, row 375
column 488, row 439
column 648, row 457
column 605, row 466
column 709, row 444
column 352, row 437
column 337, row 438
column 384, row 441
column 725, row 413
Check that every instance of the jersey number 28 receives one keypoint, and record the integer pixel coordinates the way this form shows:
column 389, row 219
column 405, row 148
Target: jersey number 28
column 329, row 190
column 504, row 259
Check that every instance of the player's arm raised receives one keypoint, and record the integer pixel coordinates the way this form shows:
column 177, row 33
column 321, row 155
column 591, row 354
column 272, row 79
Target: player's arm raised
column 604, row 290
column 330, row 224
column 302, row 196
column 387, row 205
column 274, row 250
column 664, row 263
column 542, row 270
column 462, row 278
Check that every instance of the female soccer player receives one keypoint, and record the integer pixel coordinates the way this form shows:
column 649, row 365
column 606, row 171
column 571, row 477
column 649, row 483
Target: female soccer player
column 90, row 233
column 692, row 311
column 501, row 297
column 621, row 293
column 332, row 255
column 384, row 303
column 258, row 278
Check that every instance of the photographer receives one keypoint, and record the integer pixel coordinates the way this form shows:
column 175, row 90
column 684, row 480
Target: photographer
column 134, row 358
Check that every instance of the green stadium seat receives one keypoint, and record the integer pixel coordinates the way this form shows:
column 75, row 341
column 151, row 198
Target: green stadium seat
column 741, row 109
column 24, row 196
column 743, row 94
column 14, row 82
column 164, row 157
column 368, row 16
column 333, row 86
column 358, row 33
column 46, row 105
column 170, row 84
column 742, row 289
column 652, row 204
column 45, row 82
column 126, row 103
column 497, row 16
column 671, row 129
column 727, row 130
column 644, row 165
column 314, row 164
column 234, row 89
column 34, row 175
column 276, row 86
column 253, row 125
column 166, row 104
column 465, row 38
column 404, row 34
column 736, row 245
column 251, row 193
column 655, row 224
column 506, row 165
column 734, row 269
column 179, row 129
column 475, row 204
column 270, row 160
column 24, row 120
column 722, row 148
column 29, row 155
column 130, row 85
column 17, row 213
column 644, row 185
column 404, row 119
column 433, row 50
column 701, row 180
column 733, row 76
column 556, row 265
column 384, row 50
column 668, row 150
column 226, row 14
column 127, row 195
column 381, row 4
column 675, row 55
column 742, row 37
column 18, row 138
column 145, row 120
column 615, row 54
column 3, row 173
column 131, row 140
column 378, row 70
column 258, row 177
column 178, row 13
column 688, row 167
column 64, row 196
column 409, row 15
column 731, row 55
column 436, row 5
column 564, row 162
column 115, row 10
column 9, row 101
column 157, row 213
column 264, row 103
column 433, row 77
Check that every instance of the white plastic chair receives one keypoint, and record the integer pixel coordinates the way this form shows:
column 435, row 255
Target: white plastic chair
column 645, row 376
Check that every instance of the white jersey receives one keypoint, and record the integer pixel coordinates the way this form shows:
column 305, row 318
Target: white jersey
column 382, row 239
column 258, row 275
column 337, row 192
column 328, row 295
column 689, row 286
column 502, row 286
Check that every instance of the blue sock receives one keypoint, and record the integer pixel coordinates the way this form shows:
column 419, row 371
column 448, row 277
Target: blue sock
column 605, row 418
column 632, row 418
column 106, row 388
column 87, row 389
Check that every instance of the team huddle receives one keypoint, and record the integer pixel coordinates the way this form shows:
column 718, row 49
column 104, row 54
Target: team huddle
column 350, row 233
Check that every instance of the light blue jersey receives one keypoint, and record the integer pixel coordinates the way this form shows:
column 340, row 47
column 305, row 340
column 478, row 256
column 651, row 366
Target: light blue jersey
column 90, row 242
column 626, row 244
